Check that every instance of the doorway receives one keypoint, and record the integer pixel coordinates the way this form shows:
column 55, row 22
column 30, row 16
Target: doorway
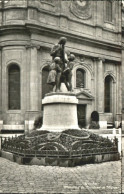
column 81, row 112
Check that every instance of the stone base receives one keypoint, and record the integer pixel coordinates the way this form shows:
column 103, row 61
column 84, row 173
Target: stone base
column 63, row 162
column 60, row 112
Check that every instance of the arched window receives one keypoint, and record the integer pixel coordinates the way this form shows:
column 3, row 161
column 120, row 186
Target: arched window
column 46, row 88
column 80, row 78
column 109, row 10
column 108, row 94
column 14, row 87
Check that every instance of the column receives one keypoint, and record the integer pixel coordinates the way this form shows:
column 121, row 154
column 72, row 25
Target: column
column 34, row 80
column 100, row 92
column 33, row 107
column 114, row 99
column 118, row 95
column 1, row 121
column 0, row 83
column 100, row 86
column 122, row 74
column 95, row 84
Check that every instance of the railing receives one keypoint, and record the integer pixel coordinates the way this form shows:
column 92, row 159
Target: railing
column 110, row 134
column 5, row 146
column 61, row 154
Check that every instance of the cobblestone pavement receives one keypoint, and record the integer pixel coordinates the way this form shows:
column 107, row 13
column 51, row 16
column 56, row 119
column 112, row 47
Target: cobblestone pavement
column 91, row 178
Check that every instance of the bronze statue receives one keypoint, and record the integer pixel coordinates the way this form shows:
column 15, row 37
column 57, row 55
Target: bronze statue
column 68, row 72
column 61, row 68
column 58, row 50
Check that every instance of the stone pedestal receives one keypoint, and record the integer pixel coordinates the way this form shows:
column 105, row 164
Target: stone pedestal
column 60, row 112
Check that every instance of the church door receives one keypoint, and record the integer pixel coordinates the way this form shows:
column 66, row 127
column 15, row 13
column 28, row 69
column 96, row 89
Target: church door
column 81, row 111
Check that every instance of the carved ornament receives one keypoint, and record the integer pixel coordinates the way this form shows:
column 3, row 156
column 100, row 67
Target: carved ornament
column 82, row 61
column 81, row 9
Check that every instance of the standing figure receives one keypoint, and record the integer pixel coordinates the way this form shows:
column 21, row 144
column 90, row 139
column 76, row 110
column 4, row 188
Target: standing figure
column 58, row 50
column 69, row 71
column 55, row 73
column 61, row 68
column 52, row 74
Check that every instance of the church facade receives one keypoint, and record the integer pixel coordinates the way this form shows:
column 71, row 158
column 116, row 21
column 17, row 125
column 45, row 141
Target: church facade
column 29, row 29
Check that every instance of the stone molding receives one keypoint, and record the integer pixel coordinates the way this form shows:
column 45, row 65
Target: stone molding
column 45, row 63
column 81, row 61
column 84, row 66
column 99, row 59
column 42, row 29
column 111, row 74
column 60, row 98
column 31, row 45
column 104, row 59
column 48, row 2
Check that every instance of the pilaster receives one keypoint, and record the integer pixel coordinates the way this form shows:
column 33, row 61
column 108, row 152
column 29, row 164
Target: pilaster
column 33, row 108
column 1, row 119
column 122, row 74
column 118, row 96
column 33, row 80
column 95, row 84
column 33, row 86
column 0, row 82
column 100, row 85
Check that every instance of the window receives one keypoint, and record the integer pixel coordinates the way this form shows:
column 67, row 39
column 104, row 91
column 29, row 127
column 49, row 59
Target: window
column 14, row 87
column 109, row 10
column 80, row 78
column 108, row 94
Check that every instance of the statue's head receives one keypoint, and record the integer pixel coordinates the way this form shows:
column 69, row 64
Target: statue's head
column 57, row 59
column 71, row 57
column 62, row 40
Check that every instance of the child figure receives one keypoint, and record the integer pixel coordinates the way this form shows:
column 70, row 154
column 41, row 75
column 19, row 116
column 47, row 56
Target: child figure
column 68, row 72
column 55, row 73
column 52, row 74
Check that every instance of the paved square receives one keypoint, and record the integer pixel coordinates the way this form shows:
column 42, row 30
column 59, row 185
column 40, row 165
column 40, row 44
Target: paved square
column 91, row 178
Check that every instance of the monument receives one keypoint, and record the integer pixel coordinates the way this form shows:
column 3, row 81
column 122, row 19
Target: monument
column 60, row 108
column 60, row 141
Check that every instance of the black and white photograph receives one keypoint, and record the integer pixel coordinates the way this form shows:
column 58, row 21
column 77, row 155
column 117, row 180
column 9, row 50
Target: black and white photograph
column 62, row 96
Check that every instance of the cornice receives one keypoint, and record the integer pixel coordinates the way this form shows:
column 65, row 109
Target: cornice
column 79, row 38
column 101, row 59
column 53, row 32
column 10, row 29
column 104, row 59
column 45, row 46
column 57, row 14
column 98, row 59
column 31, row 45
